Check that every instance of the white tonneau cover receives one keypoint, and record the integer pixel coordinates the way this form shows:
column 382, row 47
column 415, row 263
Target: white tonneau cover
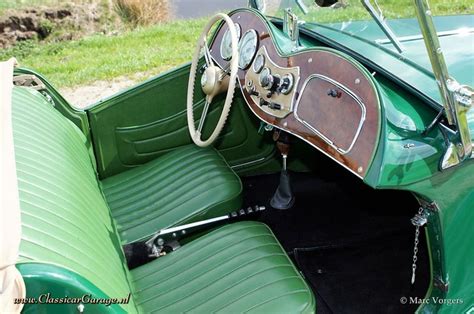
column 11, row 282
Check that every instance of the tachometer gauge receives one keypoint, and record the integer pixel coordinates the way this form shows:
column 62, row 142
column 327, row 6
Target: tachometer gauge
column 247, row 48
column 226, row 43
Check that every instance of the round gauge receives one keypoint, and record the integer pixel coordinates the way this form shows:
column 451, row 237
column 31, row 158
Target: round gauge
column 266, row 78
column 226, row 43
column 259, row 63
column 247, row 48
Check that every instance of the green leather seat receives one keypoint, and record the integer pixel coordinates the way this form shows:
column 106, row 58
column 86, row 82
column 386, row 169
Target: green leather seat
column 234, row 269
column 185, row 185
column 71, row 245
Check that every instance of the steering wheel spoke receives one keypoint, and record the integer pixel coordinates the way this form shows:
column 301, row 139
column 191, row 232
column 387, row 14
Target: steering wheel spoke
column 204, row 114
column 213, row 81
column 207, row 53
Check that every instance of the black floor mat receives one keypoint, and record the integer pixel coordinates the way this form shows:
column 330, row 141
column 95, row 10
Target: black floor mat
column 353, row 244
column 368, row 277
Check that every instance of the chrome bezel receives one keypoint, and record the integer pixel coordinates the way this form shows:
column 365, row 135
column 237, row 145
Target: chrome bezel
column 325, row 138
column 265, row 69
column 254, row 47
column 254, row 65
column 291, row 80
column 238, row 28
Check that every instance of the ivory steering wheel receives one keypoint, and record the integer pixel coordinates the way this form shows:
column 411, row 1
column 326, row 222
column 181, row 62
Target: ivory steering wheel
column 213, row 81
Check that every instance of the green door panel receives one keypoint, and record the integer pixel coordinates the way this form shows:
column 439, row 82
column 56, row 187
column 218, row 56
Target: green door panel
column 65, row 219
column 234, row 269
column 147, row 121
column 188, row 184
column 49, row 283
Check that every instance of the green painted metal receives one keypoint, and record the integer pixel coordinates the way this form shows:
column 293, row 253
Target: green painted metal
column 49, row 283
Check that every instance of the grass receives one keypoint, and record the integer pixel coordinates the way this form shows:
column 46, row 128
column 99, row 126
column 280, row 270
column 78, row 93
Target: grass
column 152, row 49
column 21, row 4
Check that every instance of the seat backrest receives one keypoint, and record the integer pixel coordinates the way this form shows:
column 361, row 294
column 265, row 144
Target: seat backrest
column 67, row 229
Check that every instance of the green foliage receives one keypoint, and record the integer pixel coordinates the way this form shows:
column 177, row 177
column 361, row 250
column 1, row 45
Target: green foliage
column 46, row 27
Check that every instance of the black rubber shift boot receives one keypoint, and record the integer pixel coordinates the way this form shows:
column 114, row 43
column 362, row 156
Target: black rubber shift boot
column 283, row 197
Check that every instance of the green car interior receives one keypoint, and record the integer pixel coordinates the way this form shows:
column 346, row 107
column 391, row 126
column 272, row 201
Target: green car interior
column 93, row 181
column 73, row 221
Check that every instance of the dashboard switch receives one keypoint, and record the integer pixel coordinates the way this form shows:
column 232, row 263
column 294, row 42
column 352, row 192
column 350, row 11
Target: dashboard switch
column 334, row 93
column 268, row 80
column 269, row 104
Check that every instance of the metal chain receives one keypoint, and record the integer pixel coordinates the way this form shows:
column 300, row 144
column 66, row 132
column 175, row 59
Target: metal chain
column 415, row 249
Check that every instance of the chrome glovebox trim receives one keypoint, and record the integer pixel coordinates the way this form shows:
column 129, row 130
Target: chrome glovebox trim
column 319, row 133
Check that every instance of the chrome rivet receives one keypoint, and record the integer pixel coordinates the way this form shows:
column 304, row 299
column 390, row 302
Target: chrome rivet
column 357, row 81
column 360, row 169
column 310, row 60
column 285, row 124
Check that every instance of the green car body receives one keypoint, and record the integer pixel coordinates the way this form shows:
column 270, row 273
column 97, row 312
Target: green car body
column 122, row 130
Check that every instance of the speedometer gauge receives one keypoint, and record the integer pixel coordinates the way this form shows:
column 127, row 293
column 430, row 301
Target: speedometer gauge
column 247, row 48
column 226, row 43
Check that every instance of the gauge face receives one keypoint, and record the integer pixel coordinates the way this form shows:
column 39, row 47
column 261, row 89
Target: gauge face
column 226, row 43
column 265, row 78
column 259, row 63
column 247, row 48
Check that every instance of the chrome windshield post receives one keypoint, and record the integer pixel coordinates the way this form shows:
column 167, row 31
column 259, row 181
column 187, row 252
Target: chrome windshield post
column 380, row 20
column 291, row 28
column 457, row 98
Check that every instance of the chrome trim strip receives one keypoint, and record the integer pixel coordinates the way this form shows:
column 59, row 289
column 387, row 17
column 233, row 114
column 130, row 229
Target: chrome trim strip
column 460, row 31
column 248, row 163
column 316, row 131
column 254, row 43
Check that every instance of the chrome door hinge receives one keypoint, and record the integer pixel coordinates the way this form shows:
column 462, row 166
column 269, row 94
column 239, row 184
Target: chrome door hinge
column 440, row 284
column 421, row 218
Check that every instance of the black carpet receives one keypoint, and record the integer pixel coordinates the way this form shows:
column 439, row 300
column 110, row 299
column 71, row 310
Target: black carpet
column 353, row 244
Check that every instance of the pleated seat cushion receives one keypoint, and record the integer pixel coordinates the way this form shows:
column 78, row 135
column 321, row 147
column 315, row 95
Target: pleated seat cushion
column 237, row 268
column 185, row 185
column 65, row 219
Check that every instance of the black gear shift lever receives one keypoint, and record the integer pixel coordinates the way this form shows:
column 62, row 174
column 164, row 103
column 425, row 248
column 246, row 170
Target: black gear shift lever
column 283, row 197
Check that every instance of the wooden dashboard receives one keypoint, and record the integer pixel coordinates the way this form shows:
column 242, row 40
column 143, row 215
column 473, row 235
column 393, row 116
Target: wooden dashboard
column 332, row 105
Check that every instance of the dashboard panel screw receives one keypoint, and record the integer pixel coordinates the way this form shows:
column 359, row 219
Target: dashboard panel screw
column 360, row 169
column 357, row 81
